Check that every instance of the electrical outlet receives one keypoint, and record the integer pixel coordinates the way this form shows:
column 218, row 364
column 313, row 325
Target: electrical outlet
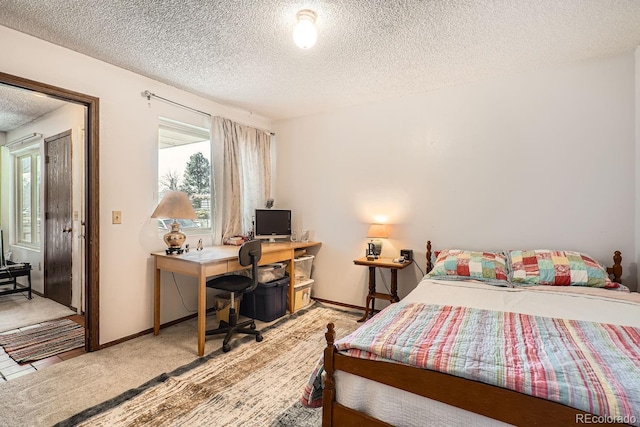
column 116, row 217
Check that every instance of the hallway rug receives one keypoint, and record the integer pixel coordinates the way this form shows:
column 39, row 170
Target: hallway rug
column 42, row 341
column 252, row 385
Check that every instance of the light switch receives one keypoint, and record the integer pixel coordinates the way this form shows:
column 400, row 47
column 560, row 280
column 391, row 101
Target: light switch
column 116, row 217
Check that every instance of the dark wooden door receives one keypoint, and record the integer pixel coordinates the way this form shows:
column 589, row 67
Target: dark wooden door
column 58, row 219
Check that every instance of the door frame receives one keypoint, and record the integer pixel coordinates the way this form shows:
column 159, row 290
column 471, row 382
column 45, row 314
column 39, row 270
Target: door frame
column 91, row 194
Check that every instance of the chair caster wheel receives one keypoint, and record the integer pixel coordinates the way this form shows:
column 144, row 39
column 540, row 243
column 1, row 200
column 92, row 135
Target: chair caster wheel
column 252, row 326
column 258, row 338
column 226, row 348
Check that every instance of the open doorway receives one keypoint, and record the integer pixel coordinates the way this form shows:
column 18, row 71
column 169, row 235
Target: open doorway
column 88, row 212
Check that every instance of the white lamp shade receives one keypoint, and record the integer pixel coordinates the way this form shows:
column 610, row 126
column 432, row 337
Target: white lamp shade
column 175, row 205
column 305, row 34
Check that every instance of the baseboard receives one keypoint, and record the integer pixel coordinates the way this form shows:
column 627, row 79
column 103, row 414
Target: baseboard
column 191, row 316
column 341, row 304
column 147, row 331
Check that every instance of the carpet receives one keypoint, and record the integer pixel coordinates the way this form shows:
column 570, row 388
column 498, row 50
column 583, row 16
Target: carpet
column 299, row 416
column 43, row 341
column 255, row 384
column 16, row 311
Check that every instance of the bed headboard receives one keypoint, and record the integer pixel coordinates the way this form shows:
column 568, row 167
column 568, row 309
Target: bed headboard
column 615, row 270
column 429, row 263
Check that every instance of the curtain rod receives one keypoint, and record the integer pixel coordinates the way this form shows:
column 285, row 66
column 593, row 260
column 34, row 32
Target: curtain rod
column 23, row 139
column 150, row 95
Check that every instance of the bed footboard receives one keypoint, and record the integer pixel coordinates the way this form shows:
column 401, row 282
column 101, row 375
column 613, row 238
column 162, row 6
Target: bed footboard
column 513, row 407
column 334, row 414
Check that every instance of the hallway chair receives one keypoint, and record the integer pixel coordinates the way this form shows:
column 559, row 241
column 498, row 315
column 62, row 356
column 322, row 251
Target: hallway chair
column 250, row 254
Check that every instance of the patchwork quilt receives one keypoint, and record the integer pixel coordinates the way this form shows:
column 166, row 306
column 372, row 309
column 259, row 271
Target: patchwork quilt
column 589, row 366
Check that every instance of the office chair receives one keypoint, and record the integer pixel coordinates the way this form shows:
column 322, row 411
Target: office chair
column 250, row 254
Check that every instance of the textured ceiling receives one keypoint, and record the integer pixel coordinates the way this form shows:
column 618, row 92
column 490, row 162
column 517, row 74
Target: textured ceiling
column 19, row 107
column 241, row 52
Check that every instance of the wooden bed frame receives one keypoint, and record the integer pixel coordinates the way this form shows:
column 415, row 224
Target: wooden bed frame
column 513, row 407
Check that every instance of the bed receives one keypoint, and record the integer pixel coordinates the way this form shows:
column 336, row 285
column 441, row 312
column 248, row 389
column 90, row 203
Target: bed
column 367, row 383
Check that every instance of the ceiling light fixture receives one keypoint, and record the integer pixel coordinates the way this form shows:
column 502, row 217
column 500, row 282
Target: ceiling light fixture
column 305, row 34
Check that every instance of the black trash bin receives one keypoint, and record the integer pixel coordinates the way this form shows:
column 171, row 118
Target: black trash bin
column 270, row 300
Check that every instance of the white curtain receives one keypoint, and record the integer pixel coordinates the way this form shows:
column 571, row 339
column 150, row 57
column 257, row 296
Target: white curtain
column 246, row 175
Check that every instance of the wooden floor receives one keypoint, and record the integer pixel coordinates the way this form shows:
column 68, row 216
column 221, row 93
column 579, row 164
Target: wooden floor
column 9, row 369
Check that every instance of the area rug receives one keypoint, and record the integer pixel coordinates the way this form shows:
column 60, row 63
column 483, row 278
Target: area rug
column 16, row 311
column 299, row 416
column 255, row 384
column 39, row 342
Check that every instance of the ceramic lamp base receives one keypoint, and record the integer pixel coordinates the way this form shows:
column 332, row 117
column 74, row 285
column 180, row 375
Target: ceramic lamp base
column 174, row 239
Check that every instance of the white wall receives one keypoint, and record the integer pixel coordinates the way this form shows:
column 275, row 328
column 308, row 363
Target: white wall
column 128, row 173
column 68, row 117
column 539, row 160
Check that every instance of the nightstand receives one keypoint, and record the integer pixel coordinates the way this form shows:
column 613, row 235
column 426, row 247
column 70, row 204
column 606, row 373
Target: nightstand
column 373, row 295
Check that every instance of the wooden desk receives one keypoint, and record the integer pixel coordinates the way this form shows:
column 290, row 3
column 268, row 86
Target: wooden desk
column 372, row 295
column 9, row 275
column 216, row 260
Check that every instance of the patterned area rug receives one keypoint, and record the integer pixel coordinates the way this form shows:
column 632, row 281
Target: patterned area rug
column 255, row 384
column 43, row 341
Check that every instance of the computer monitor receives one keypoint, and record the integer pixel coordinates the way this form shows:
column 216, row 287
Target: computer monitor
column 273, row 224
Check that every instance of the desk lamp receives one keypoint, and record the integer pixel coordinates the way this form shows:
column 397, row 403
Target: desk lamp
column 377, row 232
column 175, row 205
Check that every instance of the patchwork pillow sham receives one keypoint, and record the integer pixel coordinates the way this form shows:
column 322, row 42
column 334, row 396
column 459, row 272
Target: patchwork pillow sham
column 459, row 264
column 556, row 268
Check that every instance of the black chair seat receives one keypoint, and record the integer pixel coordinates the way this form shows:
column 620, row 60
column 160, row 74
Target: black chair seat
column 231, row 283
column 249, row 254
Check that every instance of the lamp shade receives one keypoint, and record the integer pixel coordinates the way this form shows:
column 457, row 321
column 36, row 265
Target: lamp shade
column 175, row 205
column 378, row 231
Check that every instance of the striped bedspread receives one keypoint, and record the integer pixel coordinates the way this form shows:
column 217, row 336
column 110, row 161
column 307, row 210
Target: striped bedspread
column 589, row 366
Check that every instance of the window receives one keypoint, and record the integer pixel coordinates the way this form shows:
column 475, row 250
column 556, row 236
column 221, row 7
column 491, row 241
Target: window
column 27, row 190
column 184, row 164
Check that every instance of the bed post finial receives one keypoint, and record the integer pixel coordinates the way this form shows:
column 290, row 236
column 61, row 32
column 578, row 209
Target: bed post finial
column 429, row 264
column 330, row 335
column 329, row 388
column 616, row 270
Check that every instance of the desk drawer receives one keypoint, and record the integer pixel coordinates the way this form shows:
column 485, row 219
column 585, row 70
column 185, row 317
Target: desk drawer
column 276, row 256
column 267, row 258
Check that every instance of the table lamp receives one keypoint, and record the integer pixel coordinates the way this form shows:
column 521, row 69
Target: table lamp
column 175, row 205
column 377, row 232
